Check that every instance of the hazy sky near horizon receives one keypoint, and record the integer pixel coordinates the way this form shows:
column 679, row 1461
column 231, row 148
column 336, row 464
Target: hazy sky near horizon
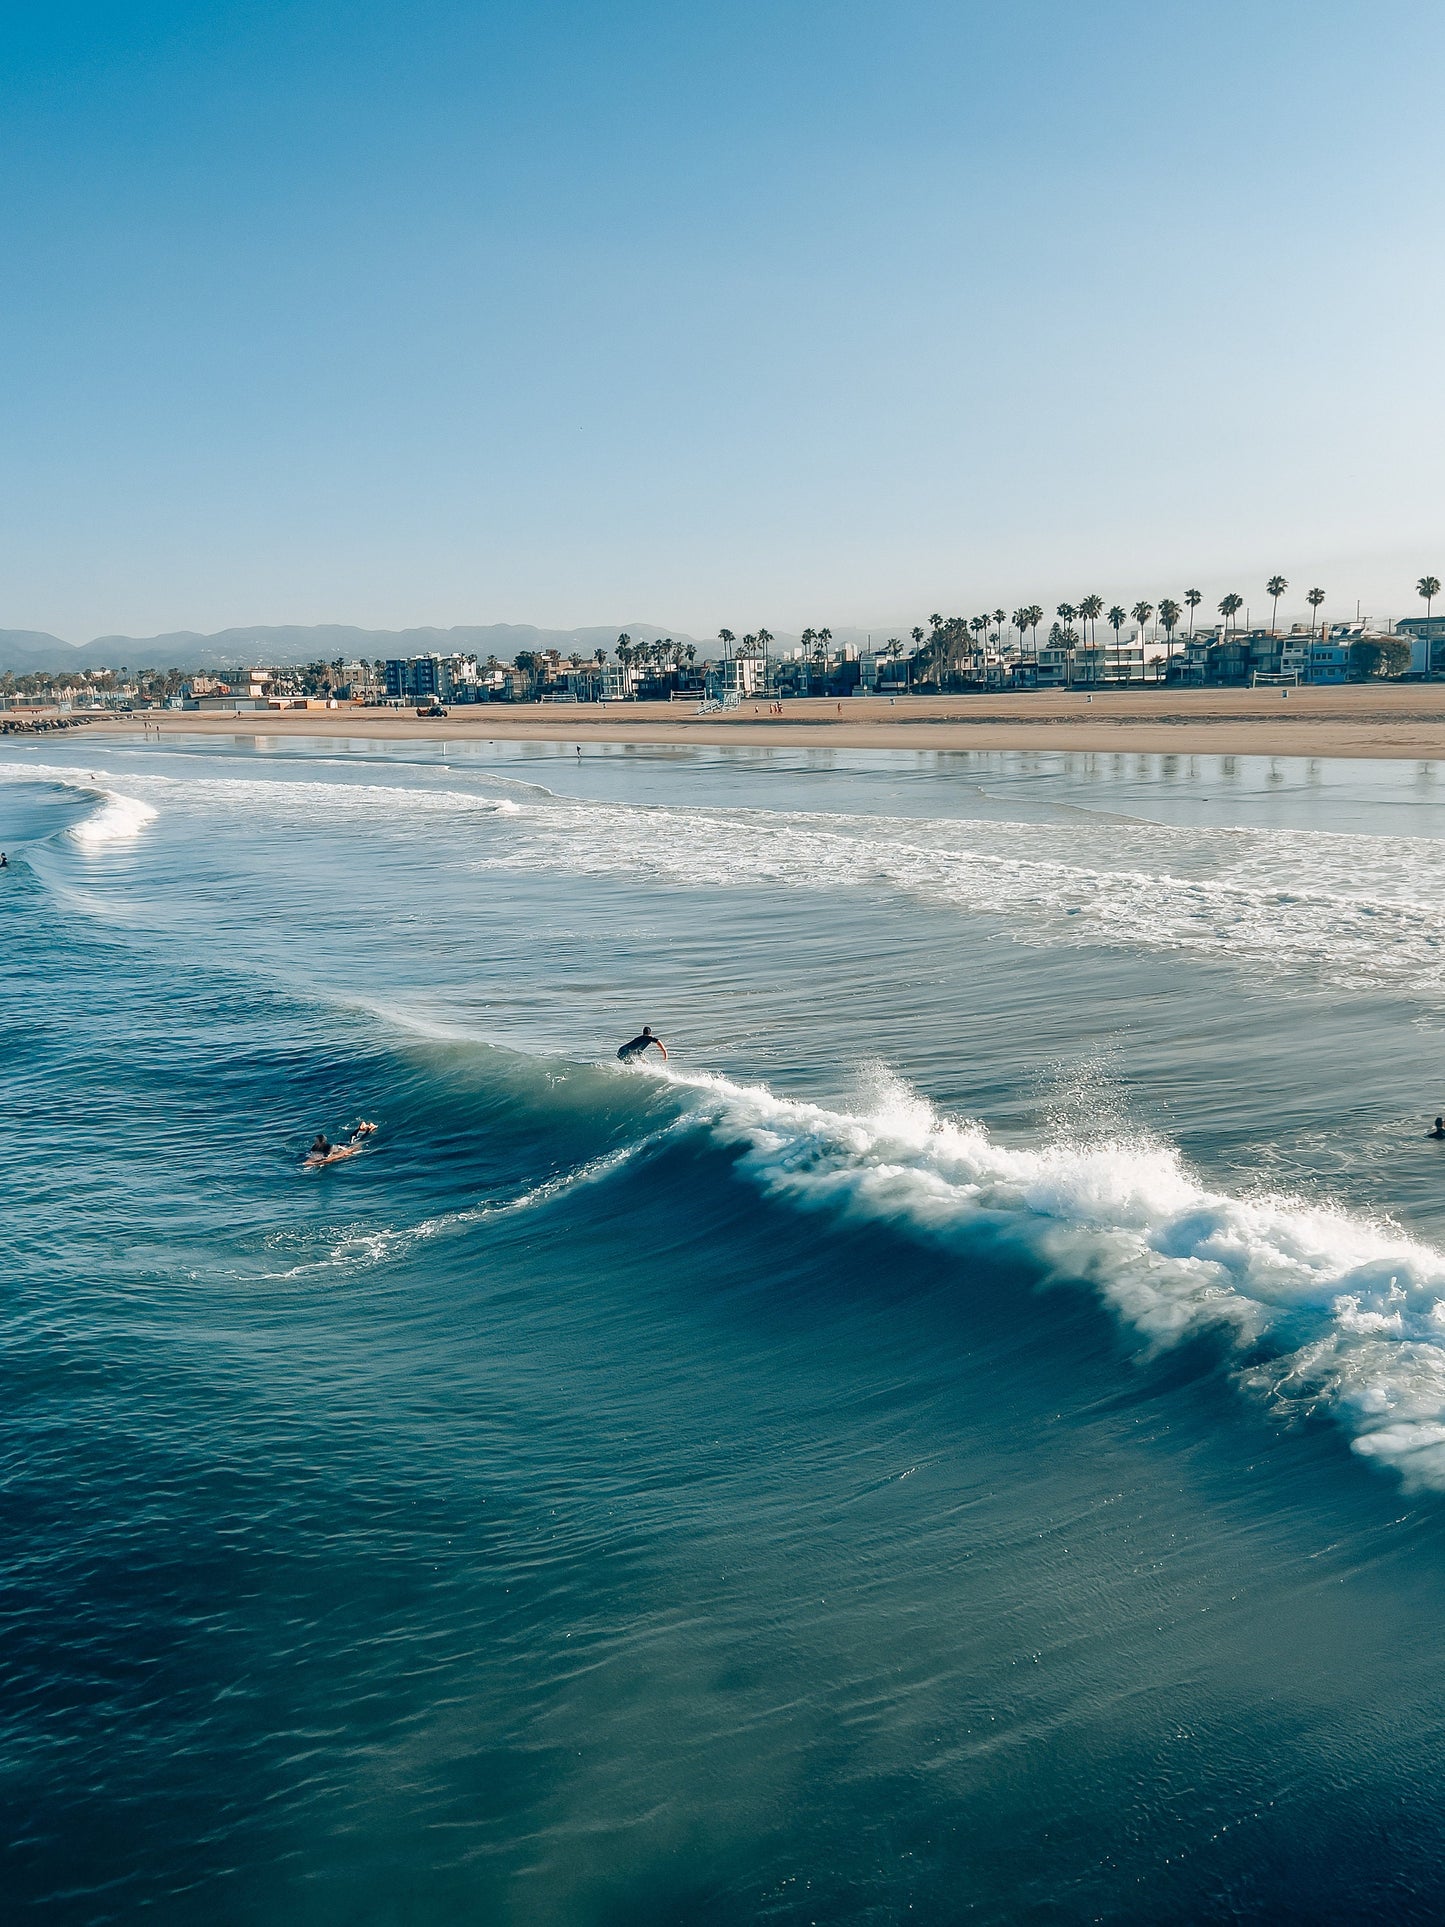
column 763, row 312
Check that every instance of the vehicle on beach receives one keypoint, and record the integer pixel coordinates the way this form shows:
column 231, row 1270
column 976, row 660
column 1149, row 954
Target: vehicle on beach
column 430, row 709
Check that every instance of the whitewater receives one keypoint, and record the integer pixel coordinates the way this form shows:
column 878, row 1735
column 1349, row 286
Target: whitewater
column 970, row 1425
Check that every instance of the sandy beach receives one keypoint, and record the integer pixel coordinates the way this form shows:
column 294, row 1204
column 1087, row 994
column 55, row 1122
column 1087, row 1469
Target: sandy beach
column 1363, row 720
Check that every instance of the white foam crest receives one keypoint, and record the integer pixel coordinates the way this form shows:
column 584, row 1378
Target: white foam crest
column 1352, row 910
column 118, row 819
column 1332, row 1309
column 288, row 798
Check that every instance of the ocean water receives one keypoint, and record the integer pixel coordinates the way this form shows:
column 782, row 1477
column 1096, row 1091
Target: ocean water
column 964, row 1440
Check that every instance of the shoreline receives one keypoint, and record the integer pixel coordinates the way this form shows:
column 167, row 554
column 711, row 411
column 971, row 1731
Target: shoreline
column 1367, row 721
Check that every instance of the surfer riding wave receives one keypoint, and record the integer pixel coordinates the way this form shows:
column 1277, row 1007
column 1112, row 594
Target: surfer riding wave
column 635, row 1046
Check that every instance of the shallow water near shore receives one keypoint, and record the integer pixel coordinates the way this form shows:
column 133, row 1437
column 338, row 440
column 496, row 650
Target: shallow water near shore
column 966, row 1435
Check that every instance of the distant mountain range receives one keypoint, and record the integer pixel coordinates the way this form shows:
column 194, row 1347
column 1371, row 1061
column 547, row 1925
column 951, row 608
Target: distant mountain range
column 22, row 650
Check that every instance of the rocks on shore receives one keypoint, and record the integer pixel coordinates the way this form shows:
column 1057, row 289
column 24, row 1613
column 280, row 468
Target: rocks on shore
column 15, row 726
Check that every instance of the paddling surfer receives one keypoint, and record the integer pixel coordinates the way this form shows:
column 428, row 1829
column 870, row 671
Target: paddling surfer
column 637, row 1045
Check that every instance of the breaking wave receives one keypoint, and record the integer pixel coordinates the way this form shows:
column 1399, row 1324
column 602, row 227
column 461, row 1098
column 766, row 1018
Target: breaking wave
column 1350, row 910
column 118, row 819
column 1323, row 1309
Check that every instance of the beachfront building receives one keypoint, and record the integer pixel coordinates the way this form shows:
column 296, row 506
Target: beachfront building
column 1251, row 656
column 415, row 679
column 433, row 678
column 1426, row 637
column 1052, row 666
column 1328, row 660
column 360, row 682
column 616, row 682
column 1097, row 663
column 881, row 673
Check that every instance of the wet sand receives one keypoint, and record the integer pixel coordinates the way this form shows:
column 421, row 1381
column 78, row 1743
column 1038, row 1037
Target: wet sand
column 1379, row 720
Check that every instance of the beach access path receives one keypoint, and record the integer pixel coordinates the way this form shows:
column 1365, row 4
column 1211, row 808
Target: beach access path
column 1354, row 719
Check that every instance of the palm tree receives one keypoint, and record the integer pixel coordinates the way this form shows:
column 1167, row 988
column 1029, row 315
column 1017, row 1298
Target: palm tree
column 1274, row 589
column 1169, row 614
column 1141, row 613
column 1063, row 636
column 1116, row 619
column 917, row 635
column 1193, row 598
column 1229, row 608
column 1314, row 599
column 1428, row 587
column 727, row 639
column 1091, row 608
column 1035, row 615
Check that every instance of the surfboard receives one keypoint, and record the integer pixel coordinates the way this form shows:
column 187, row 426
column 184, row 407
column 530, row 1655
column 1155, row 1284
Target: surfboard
column 334, row 1156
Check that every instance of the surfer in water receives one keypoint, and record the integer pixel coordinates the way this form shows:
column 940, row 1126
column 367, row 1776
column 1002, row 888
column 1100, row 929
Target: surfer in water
column 639, row 1044
column 1439, row 1130
column 323, row 1151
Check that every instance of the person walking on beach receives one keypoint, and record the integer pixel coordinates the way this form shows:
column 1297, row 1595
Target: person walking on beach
column 637, row 1045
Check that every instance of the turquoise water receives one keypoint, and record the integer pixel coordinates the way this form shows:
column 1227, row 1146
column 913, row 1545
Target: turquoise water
column 966, row 1437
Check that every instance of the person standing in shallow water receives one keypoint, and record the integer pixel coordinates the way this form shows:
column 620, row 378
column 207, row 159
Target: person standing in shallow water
column 637, row 1045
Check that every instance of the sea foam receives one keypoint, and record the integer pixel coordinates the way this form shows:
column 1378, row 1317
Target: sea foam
column 1324, row 1309
column 1343, row 909
column 118, row 819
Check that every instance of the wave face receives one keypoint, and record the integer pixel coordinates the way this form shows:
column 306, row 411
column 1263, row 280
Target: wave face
column 1326, row 1308
column 118, row 820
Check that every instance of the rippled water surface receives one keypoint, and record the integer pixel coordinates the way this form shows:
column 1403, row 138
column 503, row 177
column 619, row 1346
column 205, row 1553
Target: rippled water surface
column 963, row 1440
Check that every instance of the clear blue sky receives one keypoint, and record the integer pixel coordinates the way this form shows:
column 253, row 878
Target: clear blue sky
column 762, row 312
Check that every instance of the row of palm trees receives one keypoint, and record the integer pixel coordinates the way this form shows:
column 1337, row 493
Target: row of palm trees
column 661, row 653
column 950, row 640
column 1078, row 622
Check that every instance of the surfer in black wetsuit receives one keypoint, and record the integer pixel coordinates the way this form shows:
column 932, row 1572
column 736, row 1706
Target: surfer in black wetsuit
column 321, row 1148
column 639, row 1044
column 1439, row 1130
